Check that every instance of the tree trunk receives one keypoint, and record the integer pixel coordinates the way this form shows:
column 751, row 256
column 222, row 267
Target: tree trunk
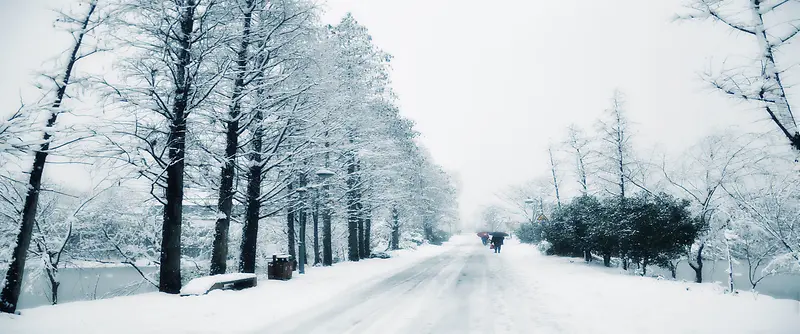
column 290, row 208
column 781, row 111
column 620, row 149
column 327, row 244
column 247, row 256
column 52, row 275
column 51, row 269
column 361, row 248
column 395, row 242
column 54, row 290
column 327, row 247
column 730, row 265
column 367, row 232
column 428, row 230
column 219, row 252
column 315, row 219
column 170, row 267
column 624, row 263
column 698, row 268
column 587, row 256
column 582, row 170
column 9, row 297
column 555, row 179
column 644, row 267
column 607, row 259
column 730, row 274
column 303, row 259
column 352, row 209
column 302, row 214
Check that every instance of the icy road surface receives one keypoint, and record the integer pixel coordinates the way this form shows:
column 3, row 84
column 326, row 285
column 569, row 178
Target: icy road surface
column 469, row 289
column 465, row 290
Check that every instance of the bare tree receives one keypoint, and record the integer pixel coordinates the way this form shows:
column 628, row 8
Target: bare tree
column 772, row 24
column 770, row 202
column 492, row 218
column 167, row 76
column 755, row 247
column 13, row 280
column 531, row 198
column 219, row 255
column 553, row 169
column 578, row 146
column 281, row 113
column 701, row 174
column 616, row 151
column 52, row 222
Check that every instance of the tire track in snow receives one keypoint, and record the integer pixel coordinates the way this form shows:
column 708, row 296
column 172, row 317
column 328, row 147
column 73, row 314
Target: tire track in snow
column 420, row 309
column 350, row 311
column 469, row 307
column 468, row 289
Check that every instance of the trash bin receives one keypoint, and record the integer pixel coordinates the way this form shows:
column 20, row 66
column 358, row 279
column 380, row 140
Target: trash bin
column 280, row 268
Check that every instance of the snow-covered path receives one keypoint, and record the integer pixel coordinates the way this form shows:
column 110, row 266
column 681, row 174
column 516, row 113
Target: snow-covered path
column 469, row 289
column 465, row 290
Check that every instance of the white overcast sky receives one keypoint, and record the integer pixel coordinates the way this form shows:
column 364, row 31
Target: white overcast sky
column 490, row 83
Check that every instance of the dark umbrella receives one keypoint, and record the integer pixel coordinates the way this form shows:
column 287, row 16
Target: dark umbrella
column 499, row 234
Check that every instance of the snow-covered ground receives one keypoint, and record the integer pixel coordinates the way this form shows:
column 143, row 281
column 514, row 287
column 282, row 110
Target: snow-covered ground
column 589, row 299
column 219, row 311
column 458, row 288
column 472, row 290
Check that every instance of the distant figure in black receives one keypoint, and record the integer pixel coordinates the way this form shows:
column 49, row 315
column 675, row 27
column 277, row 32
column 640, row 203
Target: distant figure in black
column 497, row 241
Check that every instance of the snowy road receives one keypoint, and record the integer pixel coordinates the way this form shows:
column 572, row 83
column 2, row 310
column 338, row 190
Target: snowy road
column 461, row 287
column 469, row 289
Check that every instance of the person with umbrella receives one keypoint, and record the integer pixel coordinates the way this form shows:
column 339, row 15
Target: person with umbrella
column 497, row 240
column 484, row 237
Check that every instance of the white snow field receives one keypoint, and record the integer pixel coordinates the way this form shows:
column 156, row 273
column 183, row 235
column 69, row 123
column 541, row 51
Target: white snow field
column 461, row 287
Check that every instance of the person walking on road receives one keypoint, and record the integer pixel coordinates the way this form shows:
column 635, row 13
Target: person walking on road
column 497, row 241
column 484, row 237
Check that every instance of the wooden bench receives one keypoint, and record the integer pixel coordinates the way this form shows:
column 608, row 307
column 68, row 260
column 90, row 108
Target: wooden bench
column 234, row 281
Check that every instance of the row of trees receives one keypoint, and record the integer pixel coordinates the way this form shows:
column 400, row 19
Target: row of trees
column 729, row 197
column 645, row 229
column 250, row 112
column 740, row 187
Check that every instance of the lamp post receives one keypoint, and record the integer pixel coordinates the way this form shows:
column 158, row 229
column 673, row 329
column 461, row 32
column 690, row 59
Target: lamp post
column 322, row 176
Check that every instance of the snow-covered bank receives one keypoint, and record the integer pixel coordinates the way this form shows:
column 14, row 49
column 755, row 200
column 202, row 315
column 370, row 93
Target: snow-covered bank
column 587, row 299
column 217, row 312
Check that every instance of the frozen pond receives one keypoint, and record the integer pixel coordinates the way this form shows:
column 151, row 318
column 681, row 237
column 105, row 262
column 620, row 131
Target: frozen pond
column 87, row 284
column 778, row 286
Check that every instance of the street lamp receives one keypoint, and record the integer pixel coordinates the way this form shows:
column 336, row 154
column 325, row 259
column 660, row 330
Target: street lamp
column 322, row 175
